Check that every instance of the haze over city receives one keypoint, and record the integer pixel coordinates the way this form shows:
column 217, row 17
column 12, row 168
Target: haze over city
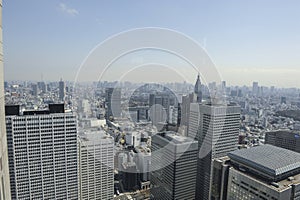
column 247, row 41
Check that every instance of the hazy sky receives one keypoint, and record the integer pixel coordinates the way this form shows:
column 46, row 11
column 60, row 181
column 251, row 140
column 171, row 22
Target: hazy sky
column 256, row 40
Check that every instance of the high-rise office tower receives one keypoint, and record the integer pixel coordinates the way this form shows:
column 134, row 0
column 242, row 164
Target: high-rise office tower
column 42, row 149
column 194, row 120
column 217, row 135
column 284, row 138
column 35, row 89
column 185, row 110
column 198, row 89
column 255, row 88
column 62, row 91
column 42, row 86
column 264, row 172
column 113, row 102
column 159, row 108
column 96, row 165
column 173, row 166
column 4, row 173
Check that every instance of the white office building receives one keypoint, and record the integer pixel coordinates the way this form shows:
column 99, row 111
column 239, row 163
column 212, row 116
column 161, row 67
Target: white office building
column 42, row 149
column 96, row 164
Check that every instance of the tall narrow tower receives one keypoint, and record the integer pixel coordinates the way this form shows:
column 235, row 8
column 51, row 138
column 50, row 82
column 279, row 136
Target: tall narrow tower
column 198, row 89
column 4, row 174
column 217, row 136
column 61, row 90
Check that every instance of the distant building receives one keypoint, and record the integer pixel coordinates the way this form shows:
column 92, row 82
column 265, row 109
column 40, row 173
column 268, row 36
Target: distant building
column 173, row 166
column 96, row 165
column 198, row 89
column 217, row 135
column 255, row 88
column 159, row 108
column 223, row 87
column 35, row 89
column 286, row 139
column 283, row 100
column 42, row 149
column 62, row 90
column 42, row 86
column 113, row 102
column 264, row 172
column 4, row 171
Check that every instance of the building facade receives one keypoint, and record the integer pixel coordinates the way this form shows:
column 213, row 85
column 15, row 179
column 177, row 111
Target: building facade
column 42, row 149
column 264, row 172
column 194, row 121
column 185, row 111
column 173, row 166
column 4, row 171
column 96, row 165
column 113, row 102
column 286, row 139
column 62, row 90
column 217, row 136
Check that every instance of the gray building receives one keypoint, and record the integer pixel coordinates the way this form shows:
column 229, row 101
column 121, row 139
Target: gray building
column 4, row 172
column 42, row 149
column 264, row 172
column 217, row 136
column 194, row 121
column 96, row 165
column 113, row 102
column 255, row 88
column 220, row 178
column 159, row 108
column 173, row 166
column 62, row 90
column 198, row 89
column 284, row 138
column 185, row 110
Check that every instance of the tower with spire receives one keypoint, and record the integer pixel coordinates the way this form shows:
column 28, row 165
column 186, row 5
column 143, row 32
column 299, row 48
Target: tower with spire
column 198, row 89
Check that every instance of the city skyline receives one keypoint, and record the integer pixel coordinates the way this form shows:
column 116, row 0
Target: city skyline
column 246, row 41
column 149, row 100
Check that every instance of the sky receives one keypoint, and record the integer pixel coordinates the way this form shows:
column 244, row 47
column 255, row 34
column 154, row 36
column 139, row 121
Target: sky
column 248, row 41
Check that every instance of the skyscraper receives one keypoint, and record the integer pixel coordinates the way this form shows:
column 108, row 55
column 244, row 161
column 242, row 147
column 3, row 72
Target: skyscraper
column 194, row 121
column 113, row 102
column 159, row 107
column 62, row 90
column 173, row 166
column 218, row 135
column 42, row 149
column 4, row 172
column 96, row 165
column 198, row 89
column 185, row 110
column 255, row 88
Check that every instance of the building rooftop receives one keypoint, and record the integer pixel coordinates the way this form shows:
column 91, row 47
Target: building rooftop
column 90, row 135
column 269, row 161
column 175, row 137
